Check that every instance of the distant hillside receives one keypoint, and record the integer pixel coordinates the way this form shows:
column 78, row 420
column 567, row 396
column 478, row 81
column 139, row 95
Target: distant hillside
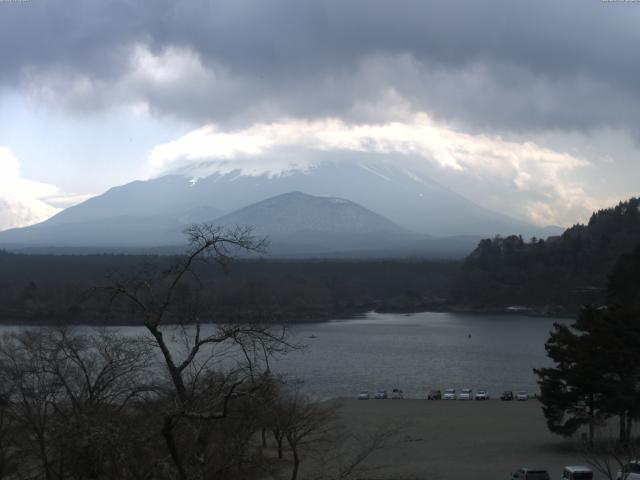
column 319, row 224
column 296, row 212
column 126, row 231
column 409, row 199
column 298, row 225
column 559, row 272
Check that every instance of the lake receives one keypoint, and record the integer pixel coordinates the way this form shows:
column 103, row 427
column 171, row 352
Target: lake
column 416, row 352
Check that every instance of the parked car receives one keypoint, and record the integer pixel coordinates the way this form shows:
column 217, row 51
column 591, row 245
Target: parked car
column 465, row 394
column 522, row 396
column 434, row 395
column 381, row 395
column 507, row 396
column 631, row 471
column 363, row 395
column 397, row 394
column 526, row 473
column 449, row 394
column 577, row 472
column 482, row 395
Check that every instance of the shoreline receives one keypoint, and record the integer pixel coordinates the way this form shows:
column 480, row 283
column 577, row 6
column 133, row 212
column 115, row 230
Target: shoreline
column 305, row 318
column 297, row 320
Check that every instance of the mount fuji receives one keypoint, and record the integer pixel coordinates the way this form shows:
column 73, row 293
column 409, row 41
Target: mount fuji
column 354, row 206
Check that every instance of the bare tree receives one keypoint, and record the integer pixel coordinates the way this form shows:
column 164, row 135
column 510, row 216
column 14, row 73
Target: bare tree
column 8, row 458
column 303, row 422
column 315, row 434
column 65, row 394
column 199, row 393
column 32, row 396
column 187, row 400
column 609, row 456
column 349, row 452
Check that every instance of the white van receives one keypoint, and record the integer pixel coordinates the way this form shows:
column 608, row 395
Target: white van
column 577, row 472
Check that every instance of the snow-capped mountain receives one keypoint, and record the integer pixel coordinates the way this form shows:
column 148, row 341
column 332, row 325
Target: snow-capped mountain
column 154, row 212
column 412, row 201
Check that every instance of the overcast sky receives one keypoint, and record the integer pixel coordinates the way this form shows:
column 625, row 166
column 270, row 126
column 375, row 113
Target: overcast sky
column 529, row 108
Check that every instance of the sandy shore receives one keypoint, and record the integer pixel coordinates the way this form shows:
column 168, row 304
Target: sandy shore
column 454, row 440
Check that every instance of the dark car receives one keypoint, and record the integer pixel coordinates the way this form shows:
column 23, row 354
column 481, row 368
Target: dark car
column 530, row 474
column 507, row 395
column 397, row 394
column 434, row 395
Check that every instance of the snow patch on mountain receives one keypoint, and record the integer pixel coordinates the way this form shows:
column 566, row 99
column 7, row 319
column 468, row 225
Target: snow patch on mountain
column 370, row 169
column 247, row 168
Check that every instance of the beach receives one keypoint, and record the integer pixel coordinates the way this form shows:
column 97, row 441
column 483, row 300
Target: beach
column 456, row 440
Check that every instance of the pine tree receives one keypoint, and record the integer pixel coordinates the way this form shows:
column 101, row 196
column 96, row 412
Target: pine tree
column 573, row 393
column 597, row 361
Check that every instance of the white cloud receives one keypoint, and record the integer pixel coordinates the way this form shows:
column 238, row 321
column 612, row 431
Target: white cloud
column 526, row 170
column 22, row 201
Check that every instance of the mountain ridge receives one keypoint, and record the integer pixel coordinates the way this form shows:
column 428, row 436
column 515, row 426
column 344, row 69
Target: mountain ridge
column 294, row 212
column 412, row 201
column 154, row 212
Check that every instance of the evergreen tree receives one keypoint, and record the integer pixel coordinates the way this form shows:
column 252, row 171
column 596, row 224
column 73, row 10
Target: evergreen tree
column 623, row 292
column 623, row 297
column 573, row 393
column 597, row 364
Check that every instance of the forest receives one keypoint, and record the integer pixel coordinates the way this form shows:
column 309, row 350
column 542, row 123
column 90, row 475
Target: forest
column 554, row 276
column 70, row 289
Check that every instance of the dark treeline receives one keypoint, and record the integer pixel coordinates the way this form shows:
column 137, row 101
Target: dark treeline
column 59, row 288
column 555, row 274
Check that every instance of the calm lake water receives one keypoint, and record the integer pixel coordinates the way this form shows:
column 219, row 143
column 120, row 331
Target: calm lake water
column 416, row 352
column 419, row 352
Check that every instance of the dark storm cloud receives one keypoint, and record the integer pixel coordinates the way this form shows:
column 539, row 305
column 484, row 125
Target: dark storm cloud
column 490, row 64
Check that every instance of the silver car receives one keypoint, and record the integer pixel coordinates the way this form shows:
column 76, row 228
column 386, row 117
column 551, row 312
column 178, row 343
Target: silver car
column 449, row 394
column 466, row 394
column 482, row 395
column 381, row 395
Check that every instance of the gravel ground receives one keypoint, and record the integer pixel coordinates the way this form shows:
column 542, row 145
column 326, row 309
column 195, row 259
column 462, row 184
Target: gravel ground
column 453, row 440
